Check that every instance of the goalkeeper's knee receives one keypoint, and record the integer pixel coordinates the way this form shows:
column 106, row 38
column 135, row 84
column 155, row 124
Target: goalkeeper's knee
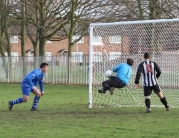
column 105, row 86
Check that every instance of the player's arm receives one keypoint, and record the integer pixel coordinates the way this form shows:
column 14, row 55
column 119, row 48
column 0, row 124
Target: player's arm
column 41, row 85
column 138, row 74
column 115, row 69
column 157, row 68
column 29, row 79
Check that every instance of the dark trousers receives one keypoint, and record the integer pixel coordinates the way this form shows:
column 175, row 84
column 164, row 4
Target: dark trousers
column 112, row 82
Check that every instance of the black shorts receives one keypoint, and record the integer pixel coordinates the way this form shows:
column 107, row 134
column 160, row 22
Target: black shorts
column 148, row 90
column 115, row 82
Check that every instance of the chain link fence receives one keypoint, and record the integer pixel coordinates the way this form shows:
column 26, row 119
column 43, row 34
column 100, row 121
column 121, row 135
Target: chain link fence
column 13, row 69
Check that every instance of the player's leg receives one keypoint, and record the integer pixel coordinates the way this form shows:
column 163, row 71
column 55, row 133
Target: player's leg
column 36, row 99
column 115, row 83
column 107, row 85
column 25, row 92
column 162, row 98
column 147, row 93
column 110, row 84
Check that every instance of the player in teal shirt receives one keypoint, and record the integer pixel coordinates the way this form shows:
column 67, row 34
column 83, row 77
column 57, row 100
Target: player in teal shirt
column 123, row 73
column 28, row 85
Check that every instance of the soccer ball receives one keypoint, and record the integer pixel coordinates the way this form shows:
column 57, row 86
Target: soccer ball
column 108, row 73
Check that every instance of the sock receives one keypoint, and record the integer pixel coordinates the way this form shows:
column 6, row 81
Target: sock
column 36, row 100
column 17, row 101
column 164, row 101
column 147, row 103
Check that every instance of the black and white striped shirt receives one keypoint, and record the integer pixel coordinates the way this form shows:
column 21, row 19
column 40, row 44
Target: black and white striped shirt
column 150, row 72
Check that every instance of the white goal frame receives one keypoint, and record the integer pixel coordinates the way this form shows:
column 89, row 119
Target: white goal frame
column 91, row 31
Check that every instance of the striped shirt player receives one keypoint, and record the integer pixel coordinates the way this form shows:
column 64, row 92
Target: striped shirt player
column 28, row 85
column 150, row 73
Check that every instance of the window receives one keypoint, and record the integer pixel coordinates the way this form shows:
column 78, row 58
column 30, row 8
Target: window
column 97, row 57
column 14, row 38
column 14, row 56
column 77, row 56
column 76, row 37
column 115, row 39
column 31, row 55
column 12, row 2
column 48, row 41
column 48, row 56
column 114, row 55
column 97, row 40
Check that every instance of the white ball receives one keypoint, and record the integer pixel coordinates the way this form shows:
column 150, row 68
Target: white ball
column 108, row 73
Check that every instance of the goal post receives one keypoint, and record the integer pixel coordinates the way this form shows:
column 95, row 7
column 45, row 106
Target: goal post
column 112, row 43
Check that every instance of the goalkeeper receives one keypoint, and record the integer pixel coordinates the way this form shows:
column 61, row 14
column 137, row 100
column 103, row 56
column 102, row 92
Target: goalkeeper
column 124, row 72
column 28, row 85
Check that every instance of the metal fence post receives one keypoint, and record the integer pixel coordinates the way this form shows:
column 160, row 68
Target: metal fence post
column 8, row 68
column 53, row 71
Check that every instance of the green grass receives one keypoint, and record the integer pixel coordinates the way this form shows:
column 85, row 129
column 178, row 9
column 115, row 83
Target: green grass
column 64, row 113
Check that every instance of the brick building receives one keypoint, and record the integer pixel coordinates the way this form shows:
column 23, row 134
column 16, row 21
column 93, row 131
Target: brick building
column 51, row 47
column 115, row 45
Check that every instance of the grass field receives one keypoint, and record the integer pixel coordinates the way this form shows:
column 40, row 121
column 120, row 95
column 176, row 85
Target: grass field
column 64, row 113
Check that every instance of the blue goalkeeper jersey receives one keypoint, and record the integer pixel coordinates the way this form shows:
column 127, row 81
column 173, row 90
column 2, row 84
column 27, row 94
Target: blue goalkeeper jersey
column 124, row 72
column 34, row 78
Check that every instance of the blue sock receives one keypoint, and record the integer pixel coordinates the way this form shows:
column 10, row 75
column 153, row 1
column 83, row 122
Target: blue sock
column 17, row 101
column 36, row 101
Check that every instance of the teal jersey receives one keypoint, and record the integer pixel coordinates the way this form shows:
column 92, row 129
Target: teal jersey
column 124, row 72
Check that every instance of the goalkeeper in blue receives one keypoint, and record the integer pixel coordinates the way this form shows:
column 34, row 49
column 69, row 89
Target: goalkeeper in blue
column 28, row 85
column 123, row 73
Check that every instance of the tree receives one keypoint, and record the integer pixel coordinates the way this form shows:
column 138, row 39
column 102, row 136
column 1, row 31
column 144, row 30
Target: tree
column 43, row 19
column 153, row 9
column 84, row 12
column 5, row 46
column 147, row 10
column 46, row 18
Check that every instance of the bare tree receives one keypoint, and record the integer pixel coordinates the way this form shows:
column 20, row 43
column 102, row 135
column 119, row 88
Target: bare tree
column 148, row 9
column 43, row 21
column 46, row 18
column 5, row 46
column 84, row 12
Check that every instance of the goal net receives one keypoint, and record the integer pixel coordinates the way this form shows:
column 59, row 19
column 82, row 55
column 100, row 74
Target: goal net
column 112, row 43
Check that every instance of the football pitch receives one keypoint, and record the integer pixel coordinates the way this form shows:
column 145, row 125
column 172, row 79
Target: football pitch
column 64, row 113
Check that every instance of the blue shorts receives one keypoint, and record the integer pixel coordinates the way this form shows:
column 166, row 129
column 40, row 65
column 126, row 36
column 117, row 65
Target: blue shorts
column 26, row 90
